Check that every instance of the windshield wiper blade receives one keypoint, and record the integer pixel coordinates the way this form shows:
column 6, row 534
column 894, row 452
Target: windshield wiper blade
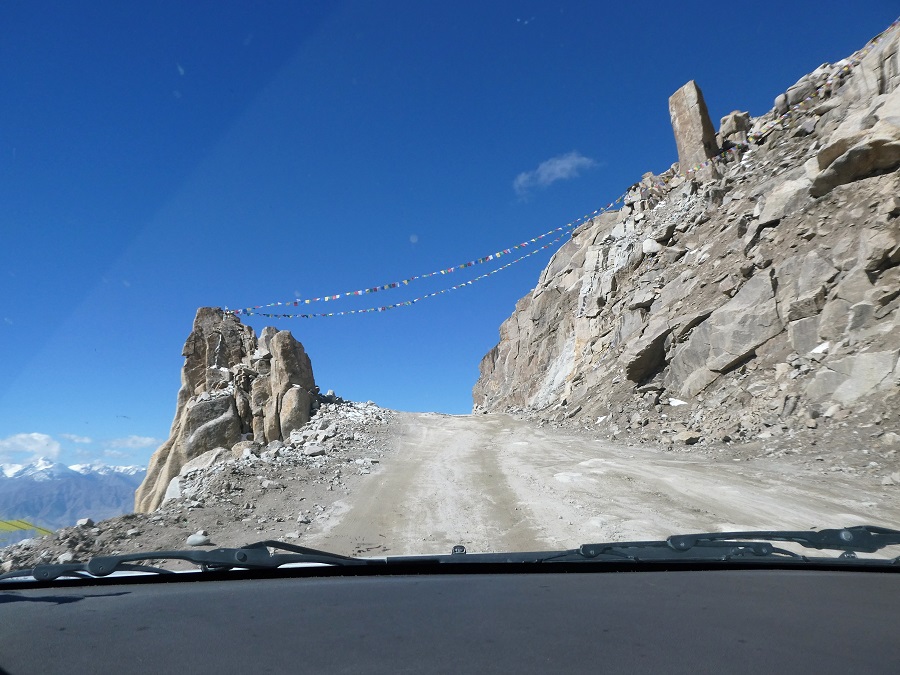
column 731, row 545
column 861, row 538
column 251, row 556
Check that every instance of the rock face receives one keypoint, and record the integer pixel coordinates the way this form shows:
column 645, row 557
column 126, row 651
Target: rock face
column 762, row 294
column 694, row 133
column 234, row 387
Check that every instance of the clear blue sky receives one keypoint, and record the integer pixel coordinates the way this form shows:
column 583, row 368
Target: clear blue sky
column 158, row 157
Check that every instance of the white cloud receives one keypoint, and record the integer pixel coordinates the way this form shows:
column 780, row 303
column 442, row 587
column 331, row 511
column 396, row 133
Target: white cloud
column 75, row 438
column 563, row 167
column 12, row 448
column 133, row 442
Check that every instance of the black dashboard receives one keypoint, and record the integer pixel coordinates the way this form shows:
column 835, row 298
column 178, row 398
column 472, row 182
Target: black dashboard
column 735, row 621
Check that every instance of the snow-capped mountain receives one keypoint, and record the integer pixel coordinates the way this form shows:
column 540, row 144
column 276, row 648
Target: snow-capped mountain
column 104, row 469
column 53, row 495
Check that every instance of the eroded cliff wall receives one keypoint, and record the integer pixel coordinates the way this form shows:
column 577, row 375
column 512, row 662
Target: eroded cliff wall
column 737, row 300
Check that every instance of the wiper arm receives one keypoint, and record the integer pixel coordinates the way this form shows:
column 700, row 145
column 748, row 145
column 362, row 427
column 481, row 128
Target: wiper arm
column 730, row 545
column 251, row 556
column 862, row 538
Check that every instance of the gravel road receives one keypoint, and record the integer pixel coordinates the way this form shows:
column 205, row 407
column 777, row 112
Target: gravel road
column 493, row 482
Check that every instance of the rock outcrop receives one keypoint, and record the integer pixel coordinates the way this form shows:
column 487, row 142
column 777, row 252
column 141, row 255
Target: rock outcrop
column 234, row 388
column 694, row 133
column 742, row 303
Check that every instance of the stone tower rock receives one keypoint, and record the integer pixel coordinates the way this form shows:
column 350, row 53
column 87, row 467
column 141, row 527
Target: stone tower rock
column 694, row 133
column 233, row 387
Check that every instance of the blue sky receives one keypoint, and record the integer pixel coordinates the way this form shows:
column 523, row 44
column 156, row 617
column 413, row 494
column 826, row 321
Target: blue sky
column 162, row 157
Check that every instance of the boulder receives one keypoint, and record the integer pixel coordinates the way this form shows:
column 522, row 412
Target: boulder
column 290, row 364
column 860, row 314
column 833, row 319
column 687, row 437
column 746, row 321
column 694, row 133
column 854, row 286
column 803, row 285
column 733, row 129
column 879, row 248
column 295, row 410
column 645, row 355
column 853, row 377
column 205, row 460
column 804, row 334
column 857, row 157
column 786, row 198
column 651, row 246
column 800, row 91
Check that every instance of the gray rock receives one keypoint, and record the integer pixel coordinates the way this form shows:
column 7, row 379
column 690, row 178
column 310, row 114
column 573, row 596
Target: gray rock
column 651, row 246
column 65, row 558
column 786, row 198
column 854, row 286
column 641, row 300
column 237, row 450
column 295, row 409
column 800, row 91
column 743, row 323
column 848, row 379
column 781, row 104
column 173, row 489
column 833, row 319
column 804, row 334
column 199, row 538
column 733, row 128
column 802, row 290
column 204, row 461
column 84, row 522
column 645, row 356
column 860, row 314
column 687, row 437
column 806, row 128
column 868, row 153
column 313, row 450
column 879, row 249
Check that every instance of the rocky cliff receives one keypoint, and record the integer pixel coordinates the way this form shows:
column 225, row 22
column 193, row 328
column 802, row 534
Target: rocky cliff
column 754, row 296
column 236, row 390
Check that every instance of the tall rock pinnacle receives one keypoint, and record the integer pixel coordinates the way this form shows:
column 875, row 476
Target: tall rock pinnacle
column 233, row 387
column 694, row 133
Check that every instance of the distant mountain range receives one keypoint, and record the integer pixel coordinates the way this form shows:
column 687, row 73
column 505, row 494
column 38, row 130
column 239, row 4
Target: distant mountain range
column 52, row 495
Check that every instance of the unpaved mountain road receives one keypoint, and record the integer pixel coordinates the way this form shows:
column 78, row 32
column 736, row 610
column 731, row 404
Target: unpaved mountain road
column 492, row 483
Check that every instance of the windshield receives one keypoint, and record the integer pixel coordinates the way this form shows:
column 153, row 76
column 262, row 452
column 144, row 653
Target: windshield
column 385, row 278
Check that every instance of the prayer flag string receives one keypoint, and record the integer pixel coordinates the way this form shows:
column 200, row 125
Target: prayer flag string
column 405, row 282
column 756, row 137
column 405, row 303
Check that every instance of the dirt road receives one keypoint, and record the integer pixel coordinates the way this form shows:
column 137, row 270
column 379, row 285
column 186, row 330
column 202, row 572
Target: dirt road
column 491, row 482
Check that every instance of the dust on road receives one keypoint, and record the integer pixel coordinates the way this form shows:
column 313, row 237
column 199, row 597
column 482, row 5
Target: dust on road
column 494, row 483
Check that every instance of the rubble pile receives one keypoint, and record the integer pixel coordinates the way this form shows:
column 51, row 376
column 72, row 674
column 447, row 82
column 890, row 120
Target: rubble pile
column 235, row 496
